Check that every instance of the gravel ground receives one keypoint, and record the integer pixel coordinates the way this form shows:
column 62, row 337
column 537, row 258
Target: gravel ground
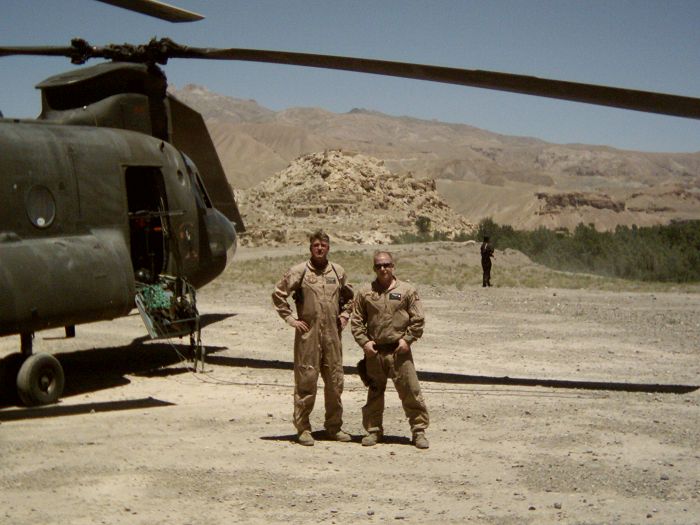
column 547, row 406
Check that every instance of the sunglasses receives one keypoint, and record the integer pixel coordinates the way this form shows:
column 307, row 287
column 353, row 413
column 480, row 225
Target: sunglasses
column 383, row 265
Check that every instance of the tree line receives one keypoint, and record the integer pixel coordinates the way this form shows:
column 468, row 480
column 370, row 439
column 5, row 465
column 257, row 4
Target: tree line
column 667, row 253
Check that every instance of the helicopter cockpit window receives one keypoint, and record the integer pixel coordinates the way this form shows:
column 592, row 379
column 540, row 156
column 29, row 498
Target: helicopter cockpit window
column 200, row 193
column 41, row 206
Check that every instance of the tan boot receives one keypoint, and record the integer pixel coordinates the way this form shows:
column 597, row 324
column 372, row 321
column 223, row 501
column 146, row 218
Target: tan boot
column 340, row 435
column 371, row 439
column 420, row 441
column 305, row 438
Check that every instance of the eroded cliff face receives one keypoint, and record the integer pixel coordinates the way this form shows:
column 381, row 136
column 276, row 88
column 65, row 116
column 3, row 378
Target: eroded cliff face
column 559, row 202
column 353, row 197
column 478, row 173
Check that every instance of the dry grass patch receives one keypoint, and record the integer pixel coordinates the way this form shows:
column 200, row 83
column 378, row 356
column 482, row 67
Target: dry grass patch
column 445, row 265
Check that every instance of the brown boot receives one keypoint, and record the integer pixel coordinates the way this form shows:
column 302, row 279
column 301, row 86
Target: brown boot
column 371, row 439
column 305, row 438
column 340, row 435
column 420, row 441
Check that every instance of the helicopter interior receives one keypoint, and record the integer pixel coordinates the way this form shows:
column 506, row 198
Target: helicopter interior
column 146, row 199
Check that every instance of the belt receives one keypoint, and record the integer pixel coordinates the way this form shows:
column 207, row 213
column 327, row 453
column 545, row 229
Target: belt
column 386, row 347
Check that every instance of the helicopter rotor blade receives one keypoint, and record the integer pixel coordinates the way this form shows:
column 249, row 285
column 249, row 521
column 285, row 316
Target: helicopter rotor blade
column 156, row 9
column 160, row 51
column 56, row 51
column 645, row 101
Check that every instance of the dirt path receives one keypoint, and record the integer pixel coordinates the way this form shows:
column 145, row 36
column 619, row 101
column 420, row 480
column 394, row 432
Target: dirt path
column 547, row 406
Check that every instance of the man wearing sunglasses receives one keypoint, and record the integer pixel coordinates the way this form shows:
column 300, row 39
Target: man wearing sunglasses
column 323, row 300
column 387, row 319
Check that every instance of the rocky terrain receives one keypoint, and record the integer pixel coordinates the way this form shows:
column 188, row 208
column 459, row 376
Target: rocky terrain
column 478, row 173
column 355, row 198
column 547, row 406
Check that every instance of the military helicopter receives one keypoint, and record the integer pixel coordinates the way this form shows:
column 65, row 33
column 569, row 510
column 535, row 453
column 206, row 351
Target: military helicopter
column 104, row 208
column 114, row 196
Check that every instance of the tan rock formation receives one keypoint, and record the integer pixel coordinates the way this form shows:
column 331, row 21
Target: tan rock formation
column 355, row 198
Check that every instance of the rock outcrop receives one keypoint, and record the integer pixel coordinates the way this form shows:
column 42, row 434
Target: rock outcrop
column 558, row 202
column 354, row 198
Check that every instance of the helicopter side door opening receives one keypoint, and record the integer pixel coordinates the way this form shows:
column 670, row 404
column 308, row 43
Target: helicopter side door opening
column 145, row 192
column 166, row 303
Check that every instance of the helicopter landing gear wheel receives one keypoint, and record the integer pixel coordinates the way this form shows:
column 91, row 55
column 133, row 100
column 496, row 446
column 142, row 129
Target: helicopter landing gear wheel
column 40, row 380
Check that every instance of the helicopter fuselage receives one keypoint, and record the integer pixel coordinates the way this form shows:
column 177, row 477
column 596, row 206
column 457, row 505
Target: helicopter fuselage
column 90, row 211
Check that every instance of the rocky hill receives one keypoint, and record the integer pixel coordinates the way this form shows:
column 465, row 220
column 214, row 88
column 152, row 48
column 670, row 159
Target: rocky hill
column 354, row 198
column 480, row 174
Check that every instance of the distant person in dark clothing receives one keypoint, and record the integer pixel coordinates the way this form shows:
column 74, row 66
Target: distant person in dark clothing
column 486, row 255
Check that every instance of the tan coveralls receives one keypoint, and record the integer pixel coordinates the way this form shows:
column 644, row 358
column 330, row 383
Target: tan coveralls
column 324, row 292
column 385, row 317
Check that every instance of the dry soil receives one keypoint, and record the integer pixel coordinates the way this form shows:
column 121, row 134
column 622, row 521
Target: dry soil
column 547, row 406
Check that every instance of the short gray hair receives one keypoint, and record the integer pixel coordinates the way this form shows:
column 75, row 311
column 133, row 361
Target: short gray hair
column 383, row 252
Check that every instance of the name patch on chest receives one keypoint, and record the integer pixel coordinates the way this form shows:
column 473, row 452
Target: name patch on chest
column 393, row 296
column 330, row 280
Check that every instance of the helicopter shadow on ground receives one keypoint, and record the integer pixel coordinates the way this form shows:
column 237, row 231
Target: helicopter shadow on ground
column 466, row 379
column 461, row 379
column 654, row 388
column 102, row 368
column 82, row 408
column 320, row 435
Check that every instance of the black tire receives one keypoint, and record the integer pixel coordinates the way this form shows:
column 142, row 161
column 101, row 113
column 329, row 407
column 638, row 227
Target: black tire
column 40, row 380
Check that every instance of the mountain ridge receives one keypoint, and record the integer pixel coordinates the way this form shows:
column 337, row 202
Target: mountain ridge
column 479, row 173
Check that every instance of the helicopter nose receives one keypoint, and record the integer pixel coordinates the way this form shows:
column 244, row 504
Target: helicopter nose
column 222, row 236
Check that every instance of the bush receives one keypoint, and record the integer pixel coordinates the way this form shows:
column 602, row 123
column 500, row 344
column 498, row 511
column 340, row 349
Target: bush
column 668, row 253
column 658, row 253
column 423, row 225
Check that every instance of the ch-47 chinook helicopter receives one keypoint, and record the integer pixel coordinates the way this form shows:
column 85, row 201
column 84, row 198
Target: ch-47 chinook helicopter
column 114, row 196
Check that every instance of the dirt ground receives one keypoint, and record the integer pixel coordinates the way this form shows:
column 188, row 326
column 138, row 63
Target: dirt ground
column 547, row 406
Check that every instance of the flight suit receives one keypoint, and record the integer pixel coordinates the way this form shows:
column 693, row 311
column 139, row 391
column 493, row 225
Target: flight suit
column 326, row 295
column 385, row 317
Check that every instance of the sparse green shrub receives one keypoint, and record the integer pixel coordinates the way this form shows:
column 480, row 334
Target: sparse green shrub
column 423, row 225
column 408, row 237
column 669, row 253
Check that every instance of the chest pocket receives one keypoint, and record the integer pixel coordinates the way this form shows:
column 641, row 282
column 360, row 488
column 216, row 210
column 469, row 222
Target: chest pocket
column 324, row 288
column 399, row 313
column 374, row 304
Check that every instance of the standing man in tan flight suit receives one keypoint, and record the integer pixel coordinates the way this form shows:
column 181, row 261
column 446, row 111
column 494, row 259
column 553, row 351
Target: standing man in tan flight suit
column 323, row 300
column 387, row 319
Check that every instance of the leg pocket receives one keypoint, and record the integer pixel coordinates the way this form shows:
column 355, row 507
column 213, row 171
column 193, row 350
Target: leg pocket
column 307, row 379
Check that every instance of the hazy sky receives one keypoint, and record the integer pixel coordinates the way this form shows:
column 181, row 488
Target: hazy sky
column 643, row 44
